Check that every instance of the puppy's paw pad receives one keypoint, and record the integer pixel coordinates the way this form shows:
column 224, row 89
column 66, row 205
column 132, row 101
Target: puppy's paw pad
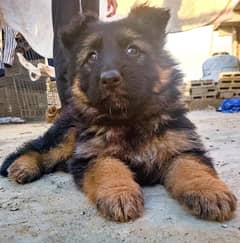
column 22, row 173
column 122, row 206
column 212, row 205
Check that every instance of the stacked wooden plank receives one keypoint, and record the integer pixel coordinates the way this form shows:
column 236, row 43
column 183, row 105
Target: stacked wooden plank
column 229, row 85
column 52, row 94
column 185, row 91
column 203, row 89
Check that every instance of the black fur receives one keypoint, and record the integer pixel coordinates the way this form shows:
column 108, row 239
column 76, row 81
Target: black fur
column 125, row 119
column 138, row 111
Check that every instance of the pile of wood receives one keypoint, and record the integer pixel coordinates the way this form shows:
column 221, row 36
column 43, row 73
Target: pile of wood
column 52, row 94
column 229, row 85
column 199, row 90
column 203, row 89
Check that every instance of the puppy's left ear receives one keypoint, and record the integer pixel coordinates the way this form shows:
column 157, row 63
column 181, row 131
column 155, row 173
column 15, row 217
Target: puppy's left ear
column 150, row 17
column 72, row 31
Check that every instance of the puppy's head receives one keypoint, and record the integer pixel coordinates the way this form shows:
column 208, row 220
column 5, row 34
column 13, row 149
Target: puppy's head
column 118, row 67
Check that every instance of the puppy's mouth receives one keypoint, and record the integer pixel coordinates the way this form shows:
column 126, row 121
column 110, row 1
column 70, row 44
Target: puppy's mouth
column 115, row 104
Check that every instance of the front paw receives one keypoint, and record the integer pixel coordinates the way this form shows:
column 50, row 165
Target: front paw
column 215, row 203
column 24, row 170
column 121, row 203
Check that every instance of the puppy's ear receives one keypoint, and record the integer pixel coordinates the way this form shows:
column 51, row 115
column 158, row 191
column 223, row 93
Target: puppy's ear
column 150, row 17
column 70, row 32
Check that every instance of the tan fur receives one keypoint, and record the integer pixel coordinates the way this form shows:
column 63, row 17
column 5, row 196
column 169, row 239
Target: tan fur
column 161, row 149
column 173, row 142
column 81, row 102
column 164, row 77
column 127, row 33
column 91, row 39
column 79, row 97
column 134, row 132
column 26, row 168
column 198, row 188
column 86, row 48
column 29, row 166
column 142, row 45
column 61, row 152
column 52, row 114
column 110, row 185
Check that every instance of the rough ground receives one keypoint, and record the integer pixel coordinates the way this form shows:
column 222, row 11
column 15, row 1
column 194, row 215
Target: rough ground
column 53, row 210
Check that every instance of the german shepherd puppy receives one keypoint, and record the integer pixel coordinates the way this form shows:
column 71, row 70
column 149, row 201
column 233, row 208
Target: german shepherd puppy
column 125, row 125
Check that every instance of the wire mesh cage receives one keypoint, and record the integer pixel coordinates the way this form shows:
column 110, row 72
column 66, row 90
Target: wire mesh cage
column 20, row 97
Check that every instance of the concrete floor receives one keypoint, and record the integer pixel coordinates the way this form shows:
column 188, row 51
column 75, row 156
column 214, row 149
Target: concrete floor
column 52, row 210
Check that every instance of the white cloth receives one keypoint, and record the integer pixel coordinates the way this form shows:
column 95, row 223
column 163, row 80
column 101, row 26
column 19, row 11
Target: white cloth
column 33, row 18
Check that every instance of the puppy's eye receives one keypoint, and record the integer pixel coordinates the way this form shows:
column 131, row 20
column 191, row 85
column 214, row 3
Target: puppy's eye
column 133, row 50
column 92, row 57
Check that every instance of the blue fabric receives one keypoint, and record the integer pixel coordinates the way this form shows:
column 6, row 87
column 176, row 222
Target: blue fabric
column 2, row 72
column 50, row 62
column 230, row 105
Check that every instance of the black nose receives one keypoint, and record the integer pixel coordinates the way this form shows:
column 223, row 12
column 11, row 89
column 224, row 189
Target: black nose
column 111, row 78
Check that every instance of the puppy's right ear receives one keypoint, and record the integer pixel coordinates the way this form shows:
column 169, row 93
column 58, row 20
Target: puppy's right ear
column 70, row 32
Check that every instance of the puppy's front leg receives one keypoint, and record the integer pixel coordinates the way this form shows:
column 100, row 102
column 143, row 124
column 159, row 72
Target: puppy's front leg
column 42, row 155
column 110, row 185
column 197, row 186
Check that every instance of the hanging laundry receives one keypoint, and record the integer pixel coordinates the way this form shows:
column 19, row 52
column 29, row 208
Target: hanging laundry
column 9, row 45
column 7, row 48
column 2, row 72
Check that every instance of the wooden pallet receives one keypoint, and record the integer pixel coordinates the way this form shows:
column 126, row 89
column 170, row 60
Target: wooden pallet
column 199, row 89
column 226, row 94
column 203, row 91
column 202, row 83
column 229, row 85
column 203, row 97
column 229, row 75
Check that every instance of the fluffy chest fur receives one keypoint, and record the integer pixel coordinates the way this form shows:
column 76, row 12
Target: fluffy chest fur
column 147, row 154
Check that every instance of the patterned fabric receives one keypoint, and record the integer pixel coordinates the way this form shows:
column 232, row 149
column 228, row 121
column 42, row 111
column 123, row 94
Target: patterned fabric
column 1, row 51
column 9, row 45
